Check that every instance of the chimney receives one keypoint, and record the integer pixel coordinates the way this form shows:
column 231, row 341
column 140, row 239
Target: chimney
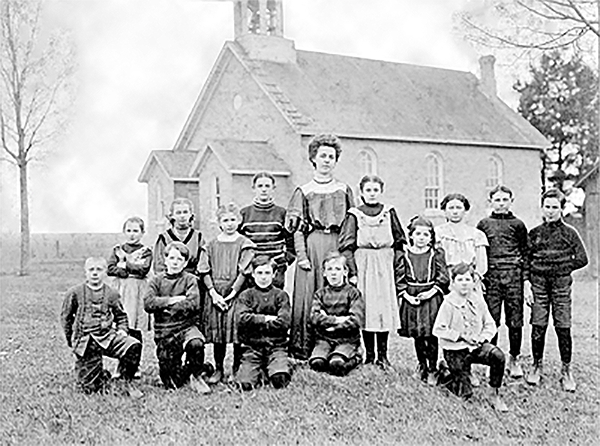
column 487, row 77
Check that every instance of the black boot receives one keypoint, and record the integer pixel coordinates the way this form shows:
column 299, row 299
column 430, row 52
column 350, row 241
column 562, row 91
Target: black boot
column 382, row 359
column 369, row 340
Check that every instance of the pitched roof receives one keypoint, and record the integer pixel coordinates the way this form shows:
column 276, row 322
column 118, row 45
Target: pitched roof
column 243, row 157
column 176, row 165
column 359, row 97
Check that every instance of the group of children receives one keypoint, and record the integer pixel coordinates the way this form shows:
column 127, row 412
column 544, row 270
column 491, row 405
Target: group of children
column 358, row 277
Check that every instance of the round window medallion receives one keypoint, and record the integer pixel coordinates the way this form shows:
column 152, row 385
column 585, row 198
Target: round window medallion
column 237, row 102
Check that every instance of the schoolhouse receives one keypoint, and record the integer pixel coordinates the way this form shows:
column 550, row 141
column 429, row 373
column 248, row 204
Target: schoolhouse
column 426, row 131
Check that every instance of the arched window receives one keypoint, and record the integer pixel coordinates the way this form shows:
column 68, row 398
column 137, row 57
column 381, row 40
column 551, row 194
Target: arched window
column 433, row 181
column 217, row 192
column 368, row 161
column 494, row 174
column 160, row 203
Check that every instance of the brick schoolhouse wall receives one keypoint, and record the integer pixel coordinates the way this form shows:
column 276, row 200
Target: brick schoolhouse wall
column 464, row 169
column 239, row 109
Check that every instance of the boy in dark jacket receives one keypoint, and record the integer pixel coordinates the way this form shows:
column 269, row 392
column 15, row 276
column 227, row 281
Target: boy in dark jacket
column 506, row 253
column 95, row 325
column 338, row 314
column 174, row 300
column 263, row 314
column 555, row 250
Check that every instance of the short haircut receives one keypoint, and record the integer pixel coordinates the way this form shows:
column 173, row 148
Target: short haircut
column 460, row 269
column 137, row 220
column 500, row 188
column 334, row 255
column 229, row 208
column 175, row 202
column 263, row 174
column 454, row 196
column 554, row 193
column 370, row 179
column 261, row 261
column 93, row 260
column 324, row 139
column 418, row 220
column 183, row 250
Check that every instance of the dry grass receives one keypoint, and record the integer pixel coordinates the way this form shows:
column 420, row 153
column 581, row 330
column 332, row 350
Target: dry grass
column 39, row 403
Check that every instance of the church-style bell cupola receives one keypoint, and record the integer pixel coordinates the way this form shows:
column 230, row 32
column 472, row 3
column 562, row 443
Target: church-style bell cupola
column 259, row 30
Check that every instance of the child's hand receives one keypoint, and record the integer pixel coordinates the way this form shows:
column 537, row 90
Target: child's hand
column 270, row 318
column 411, row 299
column 341, row 319
column 353, row 280
column 218, row 300
column 123, row 333
column 304, row 264
column 230, row 297
column 121, row 255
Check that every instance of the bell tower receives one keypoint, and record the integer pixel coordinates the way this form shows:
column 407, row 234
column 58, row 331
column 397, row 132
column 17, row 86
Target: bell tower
column 258, row 28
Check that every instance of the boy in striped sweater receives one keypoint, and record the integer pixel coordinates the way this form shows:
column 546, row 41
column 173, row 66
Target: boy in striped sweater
column 263, row 223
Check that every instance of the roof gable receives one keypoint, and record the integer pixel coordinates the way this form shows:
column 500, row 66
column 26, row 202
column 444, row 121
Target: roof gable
column 175, row 164
column 242, row 157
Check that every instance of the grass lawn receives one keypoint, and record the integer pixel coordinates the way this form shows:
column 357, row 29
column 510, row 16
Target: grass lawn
column 40, row 405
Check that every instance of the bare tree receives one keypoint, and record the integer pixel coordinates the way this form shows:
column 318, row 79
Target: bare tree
column 533, row 24
column 35, row 69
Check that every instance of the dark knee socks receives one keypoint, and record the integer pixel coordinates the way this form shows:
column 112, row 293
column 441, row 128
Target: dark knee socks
column 515, row 338
column 219, row 351
column 421, row 349
column 565, row 344
column 538, row 341
column 382, row 342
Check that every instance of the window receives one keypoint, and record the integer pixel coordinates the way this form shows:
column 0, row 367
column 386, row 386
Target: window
column 217, row 192
column 494, row 175
column 368, row 161
column 433, row 181
column 160, row 203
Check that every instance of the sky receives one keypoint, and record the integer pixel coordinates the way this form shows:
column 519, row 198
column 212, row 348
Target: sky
column 141, row 65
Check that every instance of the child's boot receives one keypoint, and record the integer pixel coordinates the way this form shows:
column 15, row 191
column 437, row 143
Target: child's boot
column 498, row 402
column 198, row 385
column 369, row 340
column 514, row 368
column 216, row 377
column 535, row 376
column 566, row 378
column 382, row 359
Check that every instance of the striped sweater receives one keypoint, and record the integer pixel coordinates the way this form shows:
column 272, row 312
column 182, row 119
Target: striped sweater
column 263, row 224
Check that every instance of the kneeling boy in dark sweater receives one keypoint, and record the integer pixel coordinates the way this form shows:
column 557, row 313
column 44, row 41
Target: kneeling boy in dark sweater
column 174, row 300
column 338, row 314
column 263, row 315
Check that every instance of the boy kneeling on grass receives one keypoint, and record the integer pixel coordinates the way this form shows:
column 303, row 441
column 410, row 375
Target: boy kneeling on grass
column 465, row 328
column 174, row 299
column 263, row 317
column 95, row 325
column 338, row 314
